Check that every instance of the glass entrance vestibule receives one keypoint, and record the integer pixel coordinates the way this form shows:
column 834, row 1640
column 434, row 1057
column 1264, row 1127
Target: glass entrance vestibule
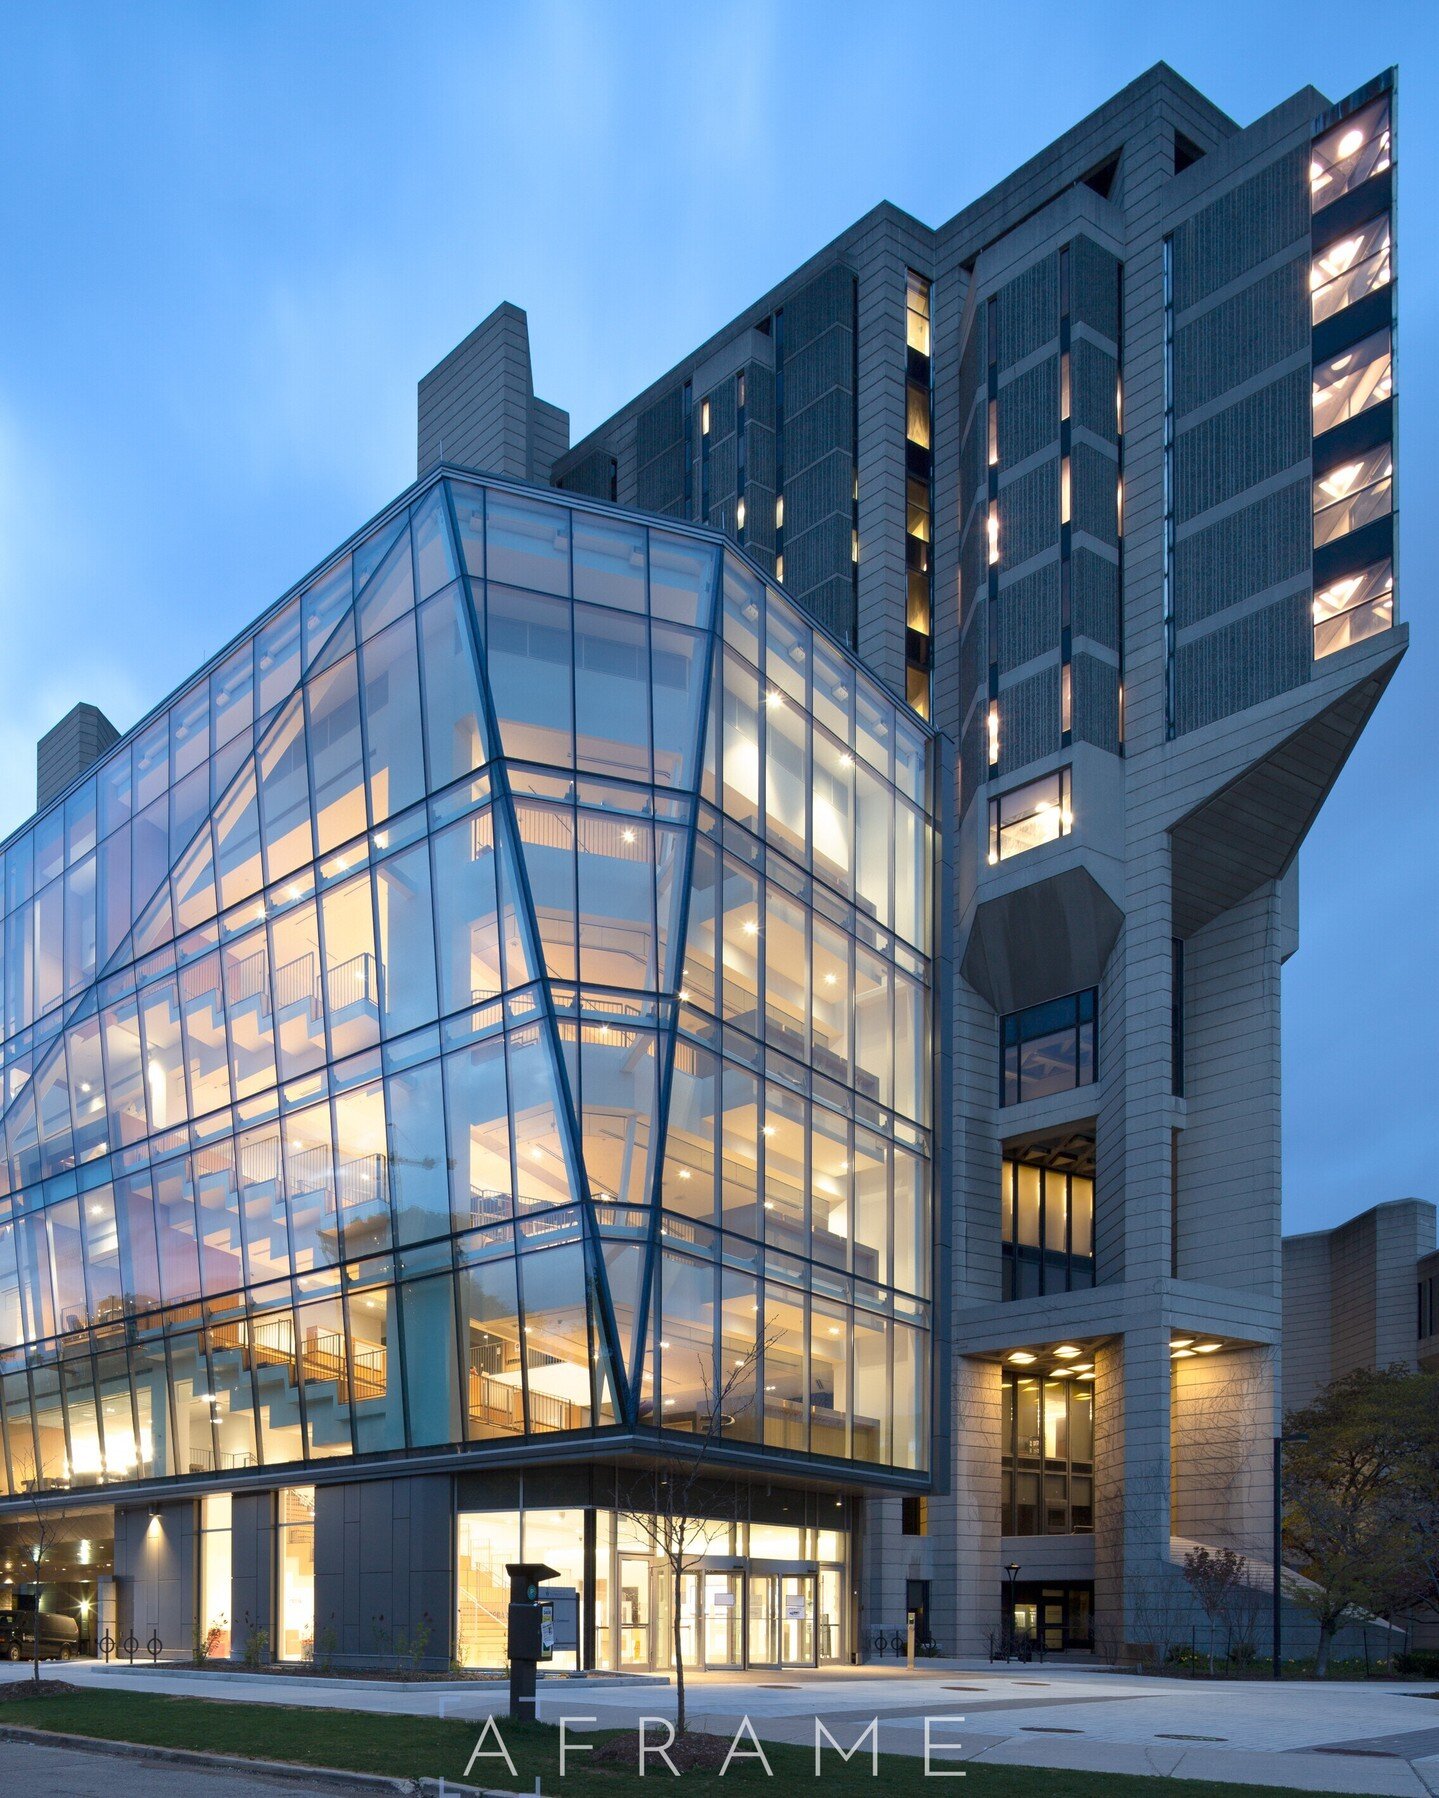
column 751, row 1595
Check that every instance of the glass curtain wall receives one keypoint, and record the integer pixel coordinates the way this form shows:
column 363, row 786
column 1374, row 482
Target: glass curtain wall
column 526, row 866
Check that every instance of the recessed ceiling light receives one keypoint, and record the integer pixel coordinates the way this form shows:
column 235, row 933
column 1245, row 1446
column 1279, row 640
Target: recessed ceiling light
column 1022, row 1358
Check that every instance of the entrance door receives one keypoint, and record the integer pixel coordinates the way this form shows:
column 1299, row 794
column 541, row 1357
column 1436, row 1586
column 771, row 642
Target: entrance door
column 711, row 1622
column 634, row 1612
column 797, row 1620
column 764, row 1620
column 831, row 1614
column 662, row 1611
column 721, row 1601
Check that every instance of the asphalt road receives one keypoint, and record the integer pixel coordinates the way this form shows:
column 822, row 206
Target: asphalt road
column 69, row 1773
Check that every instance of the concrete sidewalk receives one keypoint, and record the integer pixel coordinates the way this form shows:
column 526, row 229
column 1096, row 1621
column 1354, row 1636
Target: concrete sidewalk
column 1377, row 1738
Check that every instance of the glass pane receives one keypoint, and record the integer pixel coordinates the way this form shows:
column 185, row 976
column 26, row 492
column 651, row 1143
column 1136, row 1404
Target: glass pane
column 490, row 1328
column 612, row 694
column 528, row 662
column 393, row 737
column 333, row 704
column 1348, row 270
column 609, row 561
column 528, row 544
column 616, row 900
column 427, row 1309
column 556, row 1339
column 682, row 579
column 1353, row 494
column 1350, row 383
column 1349, row 154
column 454, row 739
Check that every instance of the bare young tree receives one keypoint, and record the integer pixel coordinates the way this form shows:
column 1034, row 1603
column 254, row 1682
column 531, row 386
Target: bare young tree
column 675, row 1505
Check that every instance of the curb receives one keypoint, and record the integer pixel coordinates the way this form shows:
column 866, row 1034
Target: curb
column 227, row 1763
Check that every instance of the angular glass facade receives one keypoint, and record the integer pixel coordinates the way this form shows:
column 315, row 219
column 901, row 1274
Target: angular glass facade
column 486, row 1004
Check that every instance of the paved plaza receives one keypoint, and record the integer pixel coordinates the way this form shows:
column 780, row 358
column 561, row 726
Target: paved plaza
column 1376, row 1738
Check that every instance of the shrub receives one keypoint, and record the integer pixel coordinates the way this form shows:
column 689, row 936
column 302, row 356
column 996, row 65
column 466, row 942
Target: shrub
column 256, row 1651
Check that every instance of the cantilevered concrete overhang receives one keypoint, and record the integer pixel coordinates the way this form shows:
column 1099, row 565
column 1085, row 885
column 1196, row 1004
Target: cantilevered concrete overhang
column 1028, row 944
column 1247, row 827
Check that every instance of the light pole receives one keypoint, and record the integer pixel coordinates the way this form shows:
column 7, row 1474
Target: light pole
column 1276, row 1599
column 1013, row 1571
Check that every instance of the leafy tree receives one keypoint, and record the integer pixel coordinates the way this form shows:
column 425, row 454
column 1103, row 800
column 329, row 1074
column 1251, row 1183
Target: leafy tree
column 1215, row 1577
column 1359, row 1497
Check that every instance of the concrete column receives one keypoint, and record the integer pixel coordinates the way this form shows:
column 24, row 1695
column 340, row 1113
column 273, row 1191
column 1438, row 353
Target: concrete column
column 1135, row 1587
column 1222, row 1448
column 965, row 1524
column 155, row 1561
column 252, row 1570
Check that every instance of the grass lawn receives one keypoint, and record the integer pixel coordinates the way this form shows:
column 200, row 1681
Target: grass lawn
column 413, row 1747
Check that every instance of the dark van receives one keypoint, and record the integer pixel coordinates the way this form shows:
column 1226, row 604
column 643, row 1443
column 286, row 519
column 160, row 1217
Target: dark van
column 59, row 1636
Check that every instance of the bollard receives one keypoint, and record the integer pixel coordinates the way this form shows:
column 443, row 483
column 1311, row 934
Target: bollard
column 153, row 1647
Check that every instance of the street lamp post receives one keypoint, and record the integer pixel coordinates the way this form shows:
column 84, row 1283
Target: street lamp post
column 1013, row 1572
column 1276, row 1598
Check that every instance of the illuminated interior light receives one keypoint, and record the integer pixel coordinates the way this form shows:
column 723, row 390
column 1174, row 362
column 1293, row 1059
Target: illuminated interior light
column 739, row 515
column 1350, row 142
column 155, row 1075
column 992, row 727
column 1022, row 1358
column 1181, row 1342
column 1341, row 481
column 628, row 836
column 1207, row 1348
column 1066, row 1351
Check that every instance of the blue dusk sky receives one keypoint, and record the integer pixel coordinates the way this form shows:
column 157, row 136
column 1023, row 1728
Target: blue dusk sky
column 236, row 236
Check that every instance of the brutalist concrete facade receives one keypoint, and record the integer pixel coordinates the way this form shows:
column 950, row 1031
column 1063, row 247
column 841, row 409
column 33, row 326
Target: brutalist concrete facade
column 1361, row 1295
column 1113, row 416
